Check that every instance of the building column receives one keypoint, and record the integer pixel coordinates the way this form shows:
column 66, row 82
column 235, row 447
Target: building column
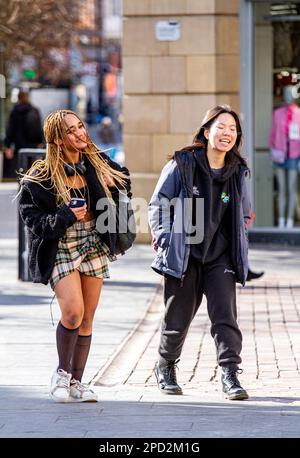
column 169, row 85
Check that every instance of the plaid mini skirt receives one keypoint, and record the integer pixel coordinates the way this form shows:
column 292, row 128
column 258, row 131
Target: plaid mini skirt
column 80, row 248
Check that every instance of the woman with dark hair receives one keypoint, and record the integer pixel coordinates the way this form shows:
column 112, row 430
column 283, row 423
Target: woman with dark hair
column 58, row 202
column 198, row 216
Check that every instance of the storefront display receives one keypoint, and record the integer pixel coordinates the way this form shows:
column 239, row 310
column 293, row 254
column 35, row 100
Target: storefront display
column 276, row 90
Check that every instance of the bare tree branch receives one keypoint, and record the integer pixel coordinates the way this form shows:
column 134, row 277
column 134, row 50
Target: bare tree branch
column 33, row 26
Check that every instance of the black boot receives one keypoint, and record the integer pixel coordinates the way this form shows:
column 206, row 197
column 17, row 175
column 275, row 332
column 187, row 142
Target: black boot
column 231, row 386
column 165, row 373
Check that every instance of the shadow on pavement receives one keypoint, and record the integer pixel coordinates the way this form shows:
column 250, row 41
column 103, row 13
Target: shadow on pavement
column 29, row 412
column 133, row 284
column 280, row 400
column 23, row 299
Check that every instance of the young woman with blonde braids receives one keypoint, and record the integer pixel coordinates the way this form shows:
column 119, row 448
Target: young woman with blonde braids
column 65, row 247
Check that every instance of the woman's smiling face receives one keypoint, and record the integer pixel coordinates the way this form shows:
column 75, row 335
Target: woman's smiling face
column 76, row 133
column 222, row 134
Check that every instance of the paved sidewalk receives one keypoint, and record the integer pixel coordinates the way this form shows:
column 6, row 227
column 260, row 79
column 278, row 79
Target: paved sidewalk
column 124, row 351
column 27, row 343
column 131, row 405
column 27, row 334
column 269, row 315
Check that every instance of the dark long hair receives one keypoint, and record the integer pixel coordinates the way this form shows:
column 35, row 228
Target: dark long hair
column 199, row 141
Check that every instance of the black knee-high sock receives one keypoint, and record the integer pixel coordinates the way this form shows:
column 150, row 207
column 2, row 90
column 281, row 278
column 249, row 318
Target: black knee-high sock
column 65, row 340
column 80, row 356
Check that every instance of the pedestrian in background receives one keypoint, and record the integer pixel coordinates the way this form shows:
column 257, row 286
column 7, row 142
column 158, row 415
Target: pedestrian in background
column 24, row 130
column 65, row 247
column 211, row 169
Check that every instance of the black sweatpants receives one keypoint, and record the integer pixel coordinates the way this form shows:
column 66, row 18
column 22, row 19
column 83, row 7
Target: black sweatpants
column 217, row 281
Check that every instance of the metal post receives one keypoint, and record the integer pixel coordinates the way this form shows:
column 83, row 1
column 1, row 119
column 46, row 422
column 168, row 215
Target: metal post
column 246, row 82
column 2, row 96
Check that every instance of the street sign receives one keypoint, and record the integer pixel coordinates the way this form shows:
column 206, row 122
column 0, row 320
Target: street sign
column 167, row 30
column 29, row 73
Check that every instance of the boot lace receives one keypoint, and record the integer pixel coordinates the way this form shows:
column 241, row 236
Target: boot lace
column 231, row 378
column 170, row 371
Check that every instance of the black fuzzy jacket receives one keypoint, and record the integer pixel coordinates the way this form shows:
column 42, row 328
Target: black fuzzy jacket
column 47, row 223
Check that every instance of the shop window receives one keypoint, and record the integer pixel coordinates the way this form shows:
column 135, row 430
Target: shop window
column 277, row 114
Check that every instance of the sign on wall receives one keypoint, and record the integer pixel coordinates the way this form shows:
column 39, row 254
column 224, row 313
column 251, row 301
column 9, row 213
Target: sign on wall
column 167, row 30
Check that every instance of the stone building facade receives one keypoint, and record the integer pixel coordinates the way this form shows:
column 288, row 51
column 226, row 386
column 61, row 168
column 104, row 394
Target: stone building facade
column 169, row 85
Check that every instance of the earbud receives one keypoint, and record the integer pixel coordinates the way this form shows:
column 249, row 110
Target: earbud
column 72, row 168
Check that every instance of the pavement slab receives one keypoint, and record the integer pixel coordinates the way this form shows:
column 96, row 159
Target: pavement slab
column 124, row 351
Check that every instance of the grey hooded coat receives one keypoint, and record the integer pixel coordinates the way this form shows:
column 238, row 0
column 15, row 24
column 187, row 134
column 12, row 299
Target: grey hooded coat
column 171, row 233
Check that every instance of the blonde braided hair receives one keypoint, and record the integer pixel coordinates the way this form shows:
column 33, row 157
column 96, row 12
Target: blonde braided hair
column 52, row 167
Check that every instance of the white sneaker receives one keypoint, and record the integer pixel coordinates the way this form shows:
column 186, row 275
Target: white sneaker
column 81, row 393
column 289, row 223
column 60, row 386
